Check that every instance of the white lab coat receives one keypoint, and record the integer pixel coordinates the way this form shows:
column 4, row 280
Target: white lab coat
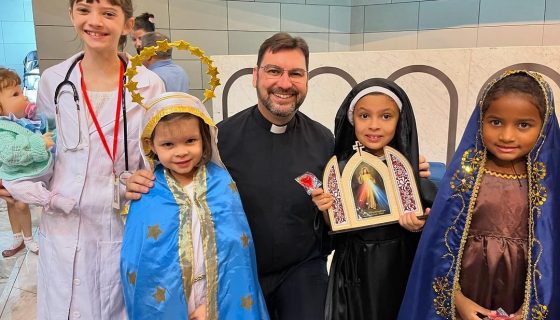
column 79, row 258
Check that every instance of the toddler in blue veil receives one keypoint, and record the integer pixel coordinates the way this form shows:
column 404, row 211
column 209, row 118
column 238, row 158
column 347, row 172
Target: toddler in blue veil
column 187, row 249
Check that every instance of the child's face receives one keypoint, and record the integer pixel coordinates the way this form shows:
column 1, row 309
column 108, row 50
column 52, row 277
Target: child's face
column 375, row 121
column 100, row 24
column 178, row 145
column 12, row 100
column 136, row 36
column 510, row 127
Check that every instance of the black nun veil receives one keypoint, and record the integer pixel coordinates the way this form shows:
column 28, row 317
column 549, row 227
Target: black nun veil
column 406, row 138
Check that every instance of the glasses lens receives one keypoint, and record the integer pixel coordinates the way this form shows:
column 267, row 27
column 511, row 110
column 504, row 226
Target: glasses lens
column 297, row 75
column 274, row 72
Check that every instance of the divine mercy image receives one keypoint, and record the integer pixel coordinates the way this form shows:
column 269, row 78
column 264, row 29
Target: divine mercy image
column 369, row 193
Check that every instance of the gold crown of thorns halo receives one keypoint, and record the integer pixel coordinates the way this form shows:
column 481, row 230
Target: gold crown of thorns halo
column 163, row 46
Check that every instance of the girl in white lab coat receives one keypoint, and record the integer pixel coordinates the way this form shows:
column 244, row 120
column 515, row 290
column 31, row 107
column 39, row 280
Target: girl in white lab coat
column 80, row 231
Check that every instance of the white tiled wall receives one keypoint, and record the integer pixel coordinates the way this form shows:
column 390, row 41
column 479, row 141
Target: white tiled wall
column 237, row 27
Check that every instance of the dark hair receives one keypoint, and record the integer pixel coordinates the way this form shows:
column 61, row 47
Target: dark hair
column 8, row 78
column 144, row 22
column 282, row 41
column 122, row 42
column 151, row 38
column 204, row 133
column 126, row 5
column 519, row 83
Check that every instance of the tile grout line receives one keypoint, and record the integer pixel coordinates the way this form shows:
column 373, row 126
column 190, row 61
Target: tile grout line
column 10, row 283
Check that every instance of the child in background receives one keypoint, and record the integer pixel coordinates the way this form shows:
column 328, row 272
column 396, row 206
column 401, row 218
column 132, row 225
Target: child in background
column 370, row 266
column 492, row 239
column 143, row 24
column 80, row 239
column 24, row 153
column 187, row 250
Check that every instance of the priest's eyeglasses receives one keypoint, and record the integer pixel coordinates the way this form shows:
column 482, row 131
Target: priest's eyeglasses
column 296, row 75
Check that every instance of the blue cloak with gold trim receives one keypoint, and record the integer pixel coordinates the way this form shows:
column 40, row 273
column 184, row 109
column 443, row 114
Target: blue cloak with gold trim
column 435, row 273
column 156, row 260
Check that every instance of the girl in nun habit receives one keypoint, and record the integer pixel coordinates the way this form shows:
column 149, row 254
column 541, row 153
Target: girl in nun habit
column 492, row 239
column 370, row 266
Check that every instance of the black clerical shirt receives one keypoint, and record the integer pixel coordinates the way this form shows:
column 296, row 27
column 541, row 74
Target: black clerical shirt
column 264, row 165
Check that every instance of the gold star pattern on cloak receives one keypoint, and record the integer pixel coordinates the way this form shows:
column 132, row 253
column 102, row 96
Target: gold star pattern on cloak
column 247, row 302
column 163, row 46
column 245, row 240
column 159, row 295
column 132, row 278
column 233, row 187
column 154, row 231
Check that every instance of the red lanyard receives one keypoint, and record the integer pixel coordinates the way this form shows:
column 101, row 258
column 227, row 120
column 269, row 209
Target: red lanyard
column 96, row 122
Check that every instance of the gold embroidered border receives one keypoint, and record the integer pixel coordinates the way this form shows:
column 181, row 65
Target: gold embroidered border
column 537, row 198
column 186, row 258
column 472, row 202
column 507, row 176
column 208, row 234
column 462, row 181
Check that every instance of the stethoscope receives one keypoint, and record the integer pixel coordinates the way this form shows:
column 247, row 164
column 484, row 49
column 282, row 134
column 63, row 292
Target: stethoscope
column 60, row 91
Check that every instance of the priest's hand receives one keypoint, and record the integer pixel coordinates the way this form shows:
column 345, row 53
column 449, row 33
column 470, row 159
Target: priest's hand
column 423, row 167
column 411, row 222
column 199, row 313
column 467, row 308
column 139, row 182
column 4, row 194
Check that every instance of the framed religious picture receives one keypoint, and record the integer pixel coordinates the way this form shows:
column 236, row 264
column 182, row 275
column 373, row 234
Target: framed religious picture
column 370, row 192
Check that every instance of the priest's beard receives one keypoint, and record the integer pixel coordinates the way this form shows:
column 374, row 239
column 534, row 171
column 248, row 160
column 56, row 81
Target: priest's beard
column 281, row 111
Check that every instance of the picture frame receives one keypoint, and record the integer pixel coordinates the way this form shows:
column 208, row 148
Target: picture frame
column 370, row 192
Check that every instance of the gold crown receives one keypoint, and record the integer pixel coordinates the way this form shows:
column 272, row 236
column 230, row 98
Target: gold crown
column 163, row 46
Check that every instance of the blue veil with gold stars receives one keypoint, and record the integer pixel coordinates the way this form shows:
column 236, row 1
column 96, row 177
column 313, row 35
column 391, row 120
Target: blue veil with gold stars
column 157, row 252
column 435, row 272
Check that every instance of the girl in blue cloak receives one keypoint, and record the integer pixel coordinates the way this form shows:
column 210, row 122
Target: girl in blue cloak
column 187, row 249
column 492, row 238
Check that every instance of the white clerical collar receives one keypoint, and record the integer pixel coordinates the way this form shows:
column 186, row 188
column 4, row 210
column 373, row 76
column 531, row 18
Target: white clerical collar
column 277, row 129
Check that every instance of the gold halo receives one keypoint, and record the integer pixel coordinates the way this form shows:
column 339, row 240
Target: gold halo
column 163, row 46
